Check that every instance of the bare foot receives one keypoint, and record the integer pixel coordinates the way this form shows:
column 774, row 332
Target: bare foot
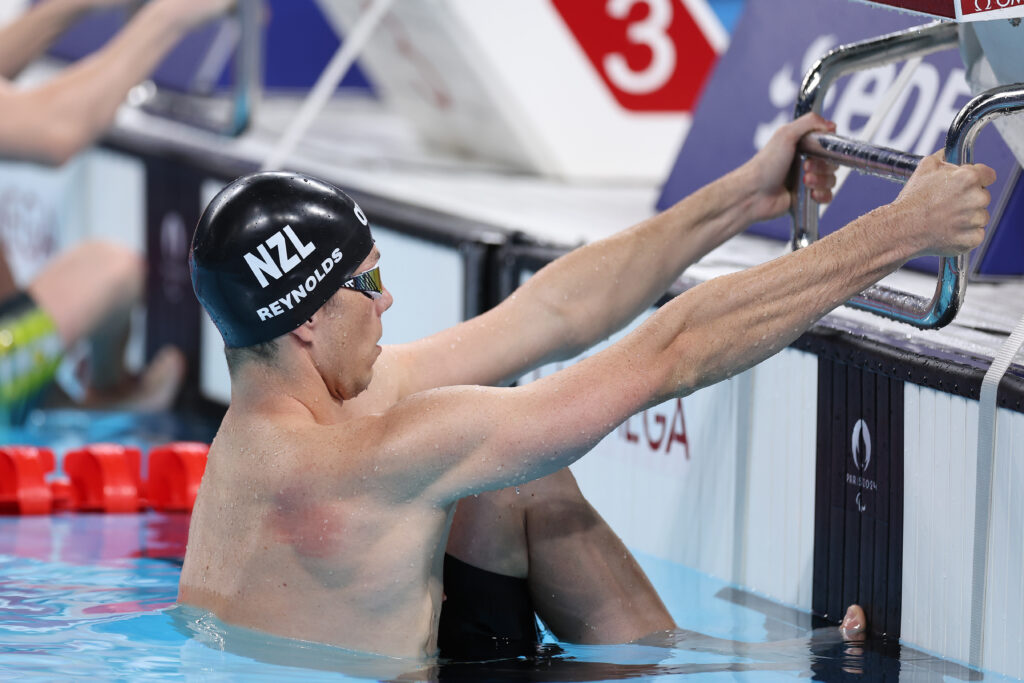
column 159, row 383
column 152, row 391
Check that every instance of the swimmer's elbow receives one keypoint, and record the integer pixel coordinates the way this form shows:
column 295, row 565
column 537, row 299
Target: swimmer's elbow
column 41, row 131
column 42, row 144
column 57, row 147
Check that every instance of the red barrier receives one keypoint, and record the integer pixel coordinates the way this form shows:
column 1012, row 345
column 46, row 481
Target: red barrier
column 175, row 471
column 62, row 494
column 101, row 478
column 105, row 478
column 23, row 486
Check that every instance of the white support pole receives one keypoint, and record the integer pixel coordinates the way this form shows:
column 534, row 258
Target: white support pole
column 327, row 83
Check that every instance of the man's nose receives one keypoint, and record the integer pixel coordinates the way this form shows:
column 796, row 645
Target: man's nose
column 386, row 300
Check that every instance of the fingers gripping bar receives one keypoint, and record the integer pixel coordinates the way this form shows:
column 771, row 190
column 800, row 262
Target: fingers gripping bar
column 889, row 163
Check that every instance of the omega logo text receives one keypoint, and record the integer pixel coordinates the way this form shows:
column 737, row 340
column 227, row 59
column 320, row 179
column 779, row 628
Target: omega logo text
column 669, row 429
column 989, row 5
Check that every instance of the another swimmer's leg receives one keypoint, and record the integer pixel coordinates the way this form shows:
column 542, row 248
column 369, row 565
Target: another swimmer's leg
column 586, row 585
column 7, row 286
column 85, row 285
column 88, row 291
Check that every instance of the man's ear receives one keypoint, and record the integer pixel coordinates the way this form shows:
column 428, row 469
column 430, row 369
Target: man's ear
column 304, row 332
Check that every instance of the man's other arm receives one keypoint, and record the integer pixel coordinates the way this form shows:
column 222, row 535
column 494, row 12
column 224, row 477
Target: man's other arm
column 461, row 440
column 588, row 294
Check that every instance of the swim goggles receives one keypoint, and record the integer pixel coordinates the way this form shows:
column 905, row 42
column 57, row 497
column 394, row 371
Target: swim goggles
column 367, row 283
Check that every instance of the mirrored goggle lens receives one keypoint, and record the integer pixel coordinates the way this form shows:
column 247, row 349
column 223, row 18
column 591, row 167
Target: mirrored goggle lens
column 368, row 283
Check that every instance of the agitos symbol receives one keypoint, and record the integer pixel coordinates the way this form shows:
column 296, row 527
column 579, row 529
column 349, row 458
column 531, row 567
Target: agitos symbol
column 860, row 448
column 651, row 54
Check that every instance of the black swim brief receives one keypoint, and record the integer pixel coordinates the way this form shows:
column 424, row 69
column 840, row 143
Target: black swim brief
column 485, row 615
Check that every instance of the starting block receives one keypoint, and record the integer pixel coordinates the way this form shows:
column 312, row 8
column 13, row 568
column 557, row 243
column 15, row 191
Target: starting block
column 600, row 91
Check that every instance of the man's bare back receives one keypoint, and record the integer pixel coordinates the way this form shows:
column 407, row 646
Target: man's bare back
column 298, row 532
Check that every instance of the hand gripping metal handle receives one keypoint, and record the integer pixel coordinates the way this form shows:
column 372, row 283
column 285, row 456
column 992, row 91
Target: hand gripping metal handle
column 881, row 161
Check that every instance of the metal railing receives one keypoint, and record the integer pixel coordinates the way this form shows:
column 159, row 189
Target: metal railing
column 884, row 162
column 240, row 33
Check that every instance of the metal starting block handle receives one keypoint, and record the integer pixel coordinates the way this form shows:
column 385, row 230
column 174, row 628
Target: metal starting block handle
column 942, row 308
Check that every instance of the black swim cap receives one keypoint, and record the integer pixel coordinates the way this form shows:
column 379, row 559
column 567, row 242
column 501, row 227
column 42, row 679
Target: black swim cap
column 271, row 249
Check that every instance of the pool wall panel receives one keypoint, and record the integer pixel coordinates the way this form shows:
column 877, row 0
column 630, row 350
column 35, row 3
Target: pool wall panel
column 779, row 537
column 1004, row 598
column 740, row 506
column 941, row 459
column 857, row 552
column 173, row 191
column 674, row 502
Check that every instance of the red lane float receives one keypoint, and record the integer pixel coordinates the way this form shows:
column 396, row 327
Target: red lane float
column 101, row 478
column 23, row 486
column 175, row 471
column 105, row 477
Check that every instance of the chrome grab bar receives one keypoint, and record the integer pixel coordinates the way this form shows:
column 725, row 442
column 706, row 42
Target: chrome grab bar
column 228, row 116
column 915, row 42
column 963, row 131
column 896, row 165
column 920, row 41
column 248, row 65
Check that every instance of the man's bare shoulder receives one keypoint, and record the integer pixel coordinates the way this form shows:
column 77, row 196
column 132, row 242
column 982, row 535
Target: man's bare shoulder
column 282, row 438
column 389, row 450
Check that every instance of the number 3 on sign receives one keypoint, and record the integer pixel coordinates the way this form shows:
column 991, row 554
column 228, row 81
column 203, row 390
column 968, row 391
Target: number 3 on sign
column 650, row 31
column 651, row 55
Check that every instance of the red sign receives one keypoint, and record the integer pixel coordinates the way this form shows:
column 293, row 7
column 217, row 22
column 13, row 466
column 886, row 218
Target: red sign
column 956, row 8
column 940, row 8
column 976, row 6
column 651, row 54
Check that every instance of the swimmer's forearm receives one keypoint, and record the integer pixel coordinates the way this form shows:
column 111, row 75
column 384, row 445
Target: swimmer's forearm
column 595, row 290
column 731, row 323
column 23, row 39
column 68, row 113
column 490, row 438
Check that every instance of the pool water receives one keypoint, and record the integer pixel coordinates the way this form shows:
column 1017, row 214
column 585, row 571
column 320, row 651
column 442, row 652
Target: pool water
column 91, row 596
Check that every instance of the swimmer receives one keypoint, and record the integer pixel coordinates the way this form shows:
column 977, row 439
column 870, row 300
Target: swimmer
column 83, row 290
column 325, row 509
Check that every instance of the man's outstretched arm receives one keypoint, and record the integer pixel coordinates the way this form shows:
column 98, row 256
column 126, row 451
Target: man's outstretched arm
column 472, row 439
column 595, row 290
column 54, row 121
